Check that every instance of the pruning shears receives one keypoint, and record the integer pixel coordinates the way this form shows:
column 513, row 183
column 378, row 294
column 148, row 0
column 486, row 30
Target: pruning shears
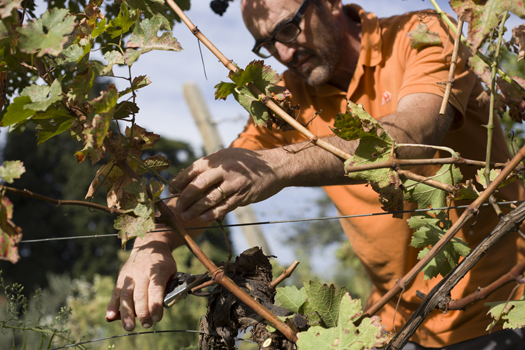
column 180, row 286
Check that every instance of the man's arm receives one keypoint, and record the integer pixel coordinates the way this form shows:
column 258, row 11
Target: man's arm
column 252, row 176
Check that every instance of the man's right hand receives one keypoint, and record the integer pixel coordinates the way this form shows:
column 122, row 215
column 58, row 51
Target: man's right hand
column 142, row 281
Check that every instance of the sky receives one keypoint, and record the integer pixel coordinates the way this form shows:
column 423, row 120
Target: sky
column 163, row 109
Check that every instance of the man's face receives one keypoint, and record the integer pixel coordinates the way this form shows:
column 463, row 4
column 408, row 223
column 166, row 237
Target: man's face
column 316, row 52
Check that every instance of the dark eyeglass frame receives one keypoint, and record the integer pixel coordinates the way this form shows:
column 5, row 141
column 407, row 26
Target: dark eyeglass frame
column 296, row 19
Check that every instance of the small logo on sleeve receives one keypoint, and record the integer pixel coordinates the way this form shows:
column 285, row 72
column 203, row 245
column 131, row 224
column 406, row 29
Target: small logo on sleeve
column 387, row 96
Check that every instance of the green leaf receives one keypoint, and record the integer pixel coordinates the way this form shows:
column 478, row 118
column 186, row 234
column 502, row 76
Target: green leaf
column 16, row 112
column 428, row 231
column 130, row 226
column 11, row 169
column 39, row 96
column 10, row 234
column 53, row 127
column 511, row 314
column 35, row 39
column 123, row 22
column 346, row 335
column 422, row 37
column 81, row 85
column 125, row 109
column 483, row 16
column 7, row 7
column 375, row 146
column 72, row 54
column 291, row 298
column 138, row 83
column 480, row 176
column 265, row 79
column 145, row 38
column 427, row 196
column 324, row 301
column 113, row 58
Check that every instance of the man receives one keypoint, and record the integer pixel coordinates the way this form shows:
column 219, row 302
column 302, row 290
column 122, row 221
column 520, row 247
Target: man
column 334, row 52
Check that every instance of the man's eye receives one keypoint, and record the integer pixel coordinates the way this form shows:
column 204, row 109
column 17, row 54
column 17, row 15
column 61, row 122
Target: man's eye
column 288, row 32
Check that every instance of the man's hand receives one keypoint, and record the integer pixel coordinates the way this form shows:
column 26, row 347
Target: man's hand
column 141, row 283
column 243, row 176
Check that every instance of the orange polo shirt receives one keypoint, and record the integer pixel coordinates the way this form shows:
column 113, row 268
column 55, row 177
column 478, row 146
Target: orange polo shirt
column 388, row 69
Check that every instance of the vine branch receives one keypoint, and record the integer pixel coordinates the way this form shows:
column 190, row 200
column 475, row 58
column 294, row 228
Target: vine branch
column 59, row 202
column 286, row 273
column 452, row 71
column 438, row 294
column 472, row 209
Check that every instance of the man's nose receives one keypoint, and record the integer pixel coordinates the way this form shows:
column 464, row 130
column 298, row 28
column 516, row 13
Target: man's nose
column 285, row 51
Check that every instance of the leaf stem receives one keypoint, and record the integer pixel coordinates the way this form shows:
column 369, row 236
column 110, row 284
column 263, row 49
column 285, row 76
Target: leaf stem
column 441, row 148
column 427, row 181
column 490, row 124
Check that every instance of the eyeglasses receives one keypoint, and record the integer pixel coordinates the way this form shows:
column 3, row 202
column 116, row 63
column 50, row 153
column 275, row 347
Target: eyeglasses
column 284, row 33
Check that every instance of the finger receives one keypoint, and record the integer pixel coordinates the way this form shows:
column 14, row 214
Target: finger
column 211, row 199
column 201, row 184
column 140, row 299
column 219, row 211
column 184, row 177
column 127, row 309
column 156, row 291
column 112, row 312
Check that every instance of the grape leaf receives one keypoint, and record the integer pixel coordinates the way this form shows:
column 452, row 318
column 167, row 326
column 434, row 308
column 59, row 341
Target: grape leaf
column 291, row 298
column 369, row 334
column 138, row 82
column 512, row 98
column 145, row 38
column 11, row 169
column 35, row 39
column 141, row 139
column 519, row 34
column 465, row 191
column 123, row 22
column 113, row 58
column 375, row 146
column 7, row 7
column 10, row 234
column 422, row 37
column 39, row 96
column 72, row 54
column 52, row 127
column 157, row 162
column 427, row 196
column 324, row 301
column 16, row 112
column 481, row 69
column 124, row 109
column 428, row 231
column 144, row 221
column 156, row 188
column 265, row 79
column 511, row 314
column 82, row 83
column 483, row 16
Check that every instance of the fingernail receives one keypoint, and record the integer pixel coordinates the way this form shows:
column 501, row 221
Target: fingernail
column 129, row 327
column 155, row 318
column 110, row 314
column 146, row 325
column 185, row 216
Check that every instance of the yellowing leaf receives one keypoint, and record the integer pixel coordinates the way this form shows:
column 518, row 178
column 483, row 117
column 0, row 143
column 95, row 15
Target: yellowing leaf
column 369, row 334
column 39, row 96
column 48, row 34
column 511, row 314
column 11, row 169
column 138, row 83
column 519, row 34
column 10, row 234
column 7, row 7
column 422, row 37
column 145, row 38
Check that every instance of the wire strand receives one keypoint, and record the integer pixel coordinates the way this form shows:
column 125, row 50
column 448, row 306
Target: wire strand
column 138, row 333
column 274, row 222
